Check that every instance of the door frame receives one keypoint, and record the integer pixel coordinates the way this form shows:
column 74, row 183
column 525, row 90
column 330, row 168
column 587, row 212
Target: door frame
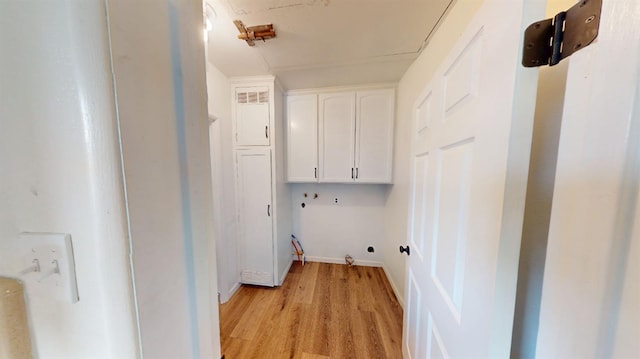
column 215, row 157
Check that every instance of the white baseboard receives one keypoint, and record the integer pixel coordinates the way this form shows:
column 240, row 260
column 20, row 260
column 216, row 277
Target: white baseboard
column 232, row 291
column 357, row 262
column 286, row 271
column 399, row 296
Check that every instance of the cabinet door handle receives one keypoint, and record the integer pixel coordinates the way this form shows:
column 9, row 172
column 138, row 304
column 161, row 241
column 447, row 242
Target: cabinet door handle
column 315, row 172
column 266, row 131
column 269, row 210
column 351, row 172
column 356, row 172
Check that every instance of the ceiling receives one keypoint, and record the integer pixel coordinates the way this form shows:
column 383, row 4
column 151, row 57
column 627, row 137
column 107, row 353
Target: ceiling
column 323, row 43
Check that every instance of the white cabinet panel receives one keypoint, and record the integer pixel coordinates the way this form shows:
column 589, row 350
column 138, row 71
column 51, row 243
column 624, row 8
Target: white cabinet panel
column 374, row 136
column 302, row 138
column 337, row 141
column 253, row 188
column 252, row 116
column 355, row 136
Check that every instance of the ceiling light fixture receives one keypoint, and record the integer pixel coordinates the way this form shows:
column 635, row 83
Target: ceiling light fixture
column 259, row 32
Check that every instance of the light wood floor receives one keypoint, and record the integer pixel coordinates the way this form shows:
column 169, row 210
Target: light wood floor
column 321, row 311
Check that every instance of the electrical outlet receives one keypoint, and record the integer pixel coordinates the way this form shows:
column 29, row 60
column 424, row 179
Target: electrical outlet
column 336, row 201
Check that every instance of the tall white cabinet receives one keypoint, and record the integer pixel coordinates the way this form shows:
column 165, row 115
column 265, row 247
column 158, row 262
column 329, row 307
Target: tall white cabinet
column 262, row 198
column 344, row 136
column 254, row 194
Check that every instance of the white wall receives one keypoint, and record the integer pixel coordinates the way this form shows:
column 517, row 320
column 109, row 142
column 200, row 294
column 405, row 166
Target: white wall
column 158, row 56
column 409, row 88
column 219, row 93
column 60, row 171
column 328, row 231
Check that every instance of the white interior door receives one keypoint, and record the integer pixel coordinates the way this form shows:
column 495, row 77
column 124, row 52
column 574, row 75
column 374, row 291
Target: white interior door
column 472, row 138
column 375, row 112
column 590, row 304
column 337, row 136
column 255, row 225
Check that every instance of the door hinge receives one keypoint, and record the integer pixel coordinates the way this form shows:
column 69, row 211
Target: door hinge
column 549, row 41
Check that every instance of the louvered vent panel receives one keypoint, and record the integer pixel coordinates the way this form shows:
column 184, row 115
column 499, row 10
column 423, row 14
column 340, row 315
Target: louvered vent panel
column 252, row 97
column 264, row 97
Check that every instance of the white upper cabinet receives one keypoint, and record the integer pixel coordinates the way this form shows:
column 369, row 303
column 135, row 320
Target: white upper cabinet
column 375, row 111
column 337, row 140
column 341, row 137
column 302, row 138
column 252, row 116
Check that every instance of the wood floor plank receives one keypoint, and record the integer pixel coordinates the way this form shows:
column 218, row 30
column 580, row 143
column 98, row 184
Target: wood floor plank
column 372, row 338
column 320, row 311
column 306, row 284
column 313, row 356
column 318, row 340
column 341, row 326
column 251, row 320
column 361, row 298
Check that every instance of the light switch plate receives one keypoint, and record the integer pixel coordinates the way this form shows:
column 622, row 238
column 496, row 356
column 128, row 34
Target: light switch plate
column 48, row 266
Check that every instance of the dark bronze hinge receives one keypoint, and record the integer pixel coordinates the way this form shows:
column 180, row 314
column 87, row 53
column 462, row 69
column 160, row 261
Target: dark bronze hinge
column 549, row 41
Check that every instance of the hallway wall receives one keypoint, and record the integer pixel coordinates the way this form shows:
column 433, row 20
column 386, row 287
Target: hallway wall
column 159, row 67
column 60, row 171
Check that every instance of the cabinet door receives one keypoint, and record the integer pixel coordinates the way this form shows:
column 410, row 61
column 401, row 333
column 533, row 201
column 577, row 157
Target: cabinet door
column 375, row 112
column 302, row 138
column 252, row 116
column 255, row 225
column 337, row 140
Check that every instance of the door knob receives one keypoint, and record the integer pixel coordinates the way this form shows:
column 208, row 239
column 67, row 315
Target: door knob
column 406, row 250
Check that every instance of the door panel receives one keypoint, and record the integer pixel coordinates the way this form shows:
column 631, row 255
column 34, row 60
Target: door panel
column 451, row 217
column 337, row 136
column 435, row 344
column 464, row 160
column 255, row 225
column 461, row 79
column 420, row 206
column 415, row 346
